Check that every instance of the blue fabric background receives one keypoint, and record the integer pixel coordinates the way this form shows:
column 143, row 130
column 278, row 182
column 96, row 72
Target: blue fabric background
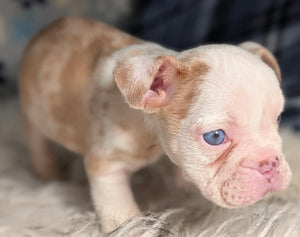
column 178, row 24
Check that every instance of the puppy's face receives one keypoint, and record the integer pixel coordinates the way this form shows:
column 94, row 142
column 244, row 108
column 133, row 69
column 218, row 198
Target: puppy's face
column 229, row 143
column 218, row 120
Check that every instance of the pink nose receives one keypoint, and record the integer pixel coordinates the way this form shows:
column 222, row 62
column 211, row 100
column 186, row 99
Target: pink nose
column 268, row 168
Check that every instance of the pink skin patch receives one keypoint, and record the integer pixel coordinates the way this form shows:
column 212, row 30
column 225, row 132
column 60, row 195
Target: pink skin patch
column 160, row 91
column 157, row 98
column 268, row 168
column 251, row 182
column 244, row 187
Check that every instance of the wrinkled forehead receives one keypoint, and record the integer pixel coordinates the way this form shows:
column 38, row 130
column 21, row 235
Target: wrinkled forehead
column 238, row 86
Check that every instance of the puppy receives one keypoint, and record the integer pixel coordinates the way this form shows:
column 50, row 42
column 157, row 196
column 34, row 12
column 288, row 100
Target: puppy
column 122, row 102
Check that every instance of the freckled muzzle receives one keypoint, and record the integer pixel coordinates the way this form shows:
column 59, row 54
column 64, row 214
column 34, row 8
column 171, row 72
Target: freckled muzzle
column 244, row 187
column 248, row 184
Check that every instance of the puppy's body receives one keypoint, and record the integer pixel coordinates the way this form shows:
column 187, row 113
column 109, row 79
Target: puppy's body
column 121, row 102
column 68, row 95
column 60, row 62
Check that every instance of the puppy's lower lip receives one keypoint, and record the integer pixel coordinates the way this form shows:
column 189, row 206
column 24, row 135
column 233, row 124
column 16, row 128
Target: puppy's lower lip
column 245, row 187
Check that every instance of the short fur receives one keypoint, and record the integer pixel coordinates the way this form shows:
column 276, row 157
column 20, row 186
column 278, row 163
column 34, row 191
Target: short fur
column 121, row 103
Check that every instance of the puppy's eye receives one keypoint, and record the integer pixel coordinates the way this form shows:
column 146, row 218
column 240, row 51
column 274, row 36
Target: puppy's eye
column 215, row 137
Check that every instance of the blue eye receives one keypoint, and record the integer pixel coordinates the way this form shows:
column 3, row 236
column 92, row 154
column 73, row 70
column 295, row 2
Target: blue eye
column 215, row 137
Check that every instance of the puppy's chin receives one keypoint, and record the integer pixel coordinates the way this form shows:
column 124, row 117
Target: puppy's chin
column 244, row 187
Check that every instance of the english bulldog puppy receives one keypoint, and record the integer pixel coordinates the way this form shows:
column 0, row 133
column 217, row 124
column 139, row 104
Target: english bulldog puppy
column 122, row 102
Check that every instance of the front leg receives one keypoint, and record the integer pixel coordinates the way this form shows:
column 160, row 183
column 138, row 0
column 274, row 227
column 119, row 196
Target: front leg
column 110, row 189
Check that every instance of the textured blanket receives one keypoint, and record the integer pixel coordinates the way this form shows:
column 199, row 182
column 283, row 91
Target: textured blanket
column 31, row 207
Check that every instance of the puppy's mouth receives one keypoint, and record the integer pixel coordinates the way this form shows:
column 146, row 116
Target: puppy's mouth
column 247, row 186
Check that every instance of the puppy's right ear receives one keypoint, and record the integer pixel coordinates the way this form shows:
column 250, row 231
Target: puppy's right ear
column 265, row 55
column 148, row 82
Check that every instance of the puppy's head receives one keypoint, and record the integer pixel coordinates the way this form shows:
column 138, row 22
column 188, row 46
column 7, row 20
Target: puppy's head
column 215, row 110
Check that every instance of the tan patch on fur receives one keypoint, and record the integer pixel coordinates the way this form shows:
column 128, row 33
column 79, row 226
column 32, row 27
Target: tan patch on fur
column 97, row 166
column 123, row 78
column 25, row 87
column 65, row 54
column 68, row 106
column 28, row 71
column 187, row 91
column 101, row 162
column 268, row 58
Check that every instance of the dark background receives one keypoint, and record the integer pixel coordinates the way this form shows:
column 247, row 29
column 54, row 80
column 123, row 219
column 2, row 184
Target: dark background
column 177, row 24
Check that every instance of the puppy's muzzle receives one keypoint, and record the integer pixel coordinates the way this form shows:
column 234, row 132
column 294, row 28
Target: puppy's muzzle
column 253, row 180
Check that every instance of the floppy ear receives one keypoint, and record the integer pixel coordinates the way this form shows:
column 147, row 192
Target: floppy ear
column 264, row 54
column 149, row 82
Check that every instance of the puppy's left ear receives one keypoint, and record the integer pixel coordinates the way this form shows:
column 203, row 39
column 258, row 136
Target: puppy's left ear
column 149, row 82
column 265, row 56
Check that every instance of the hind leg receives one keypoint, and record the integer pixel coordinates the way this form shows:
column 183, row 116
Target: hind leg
column 42, row 153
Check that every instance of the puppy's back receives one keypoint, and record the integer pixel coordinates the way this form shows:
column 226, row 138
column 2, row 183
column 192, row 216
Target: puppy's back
column 55, row 75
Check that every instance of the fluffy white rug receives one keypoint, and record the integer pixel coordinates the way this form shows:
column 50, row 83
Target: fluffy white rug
column 30, row 207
